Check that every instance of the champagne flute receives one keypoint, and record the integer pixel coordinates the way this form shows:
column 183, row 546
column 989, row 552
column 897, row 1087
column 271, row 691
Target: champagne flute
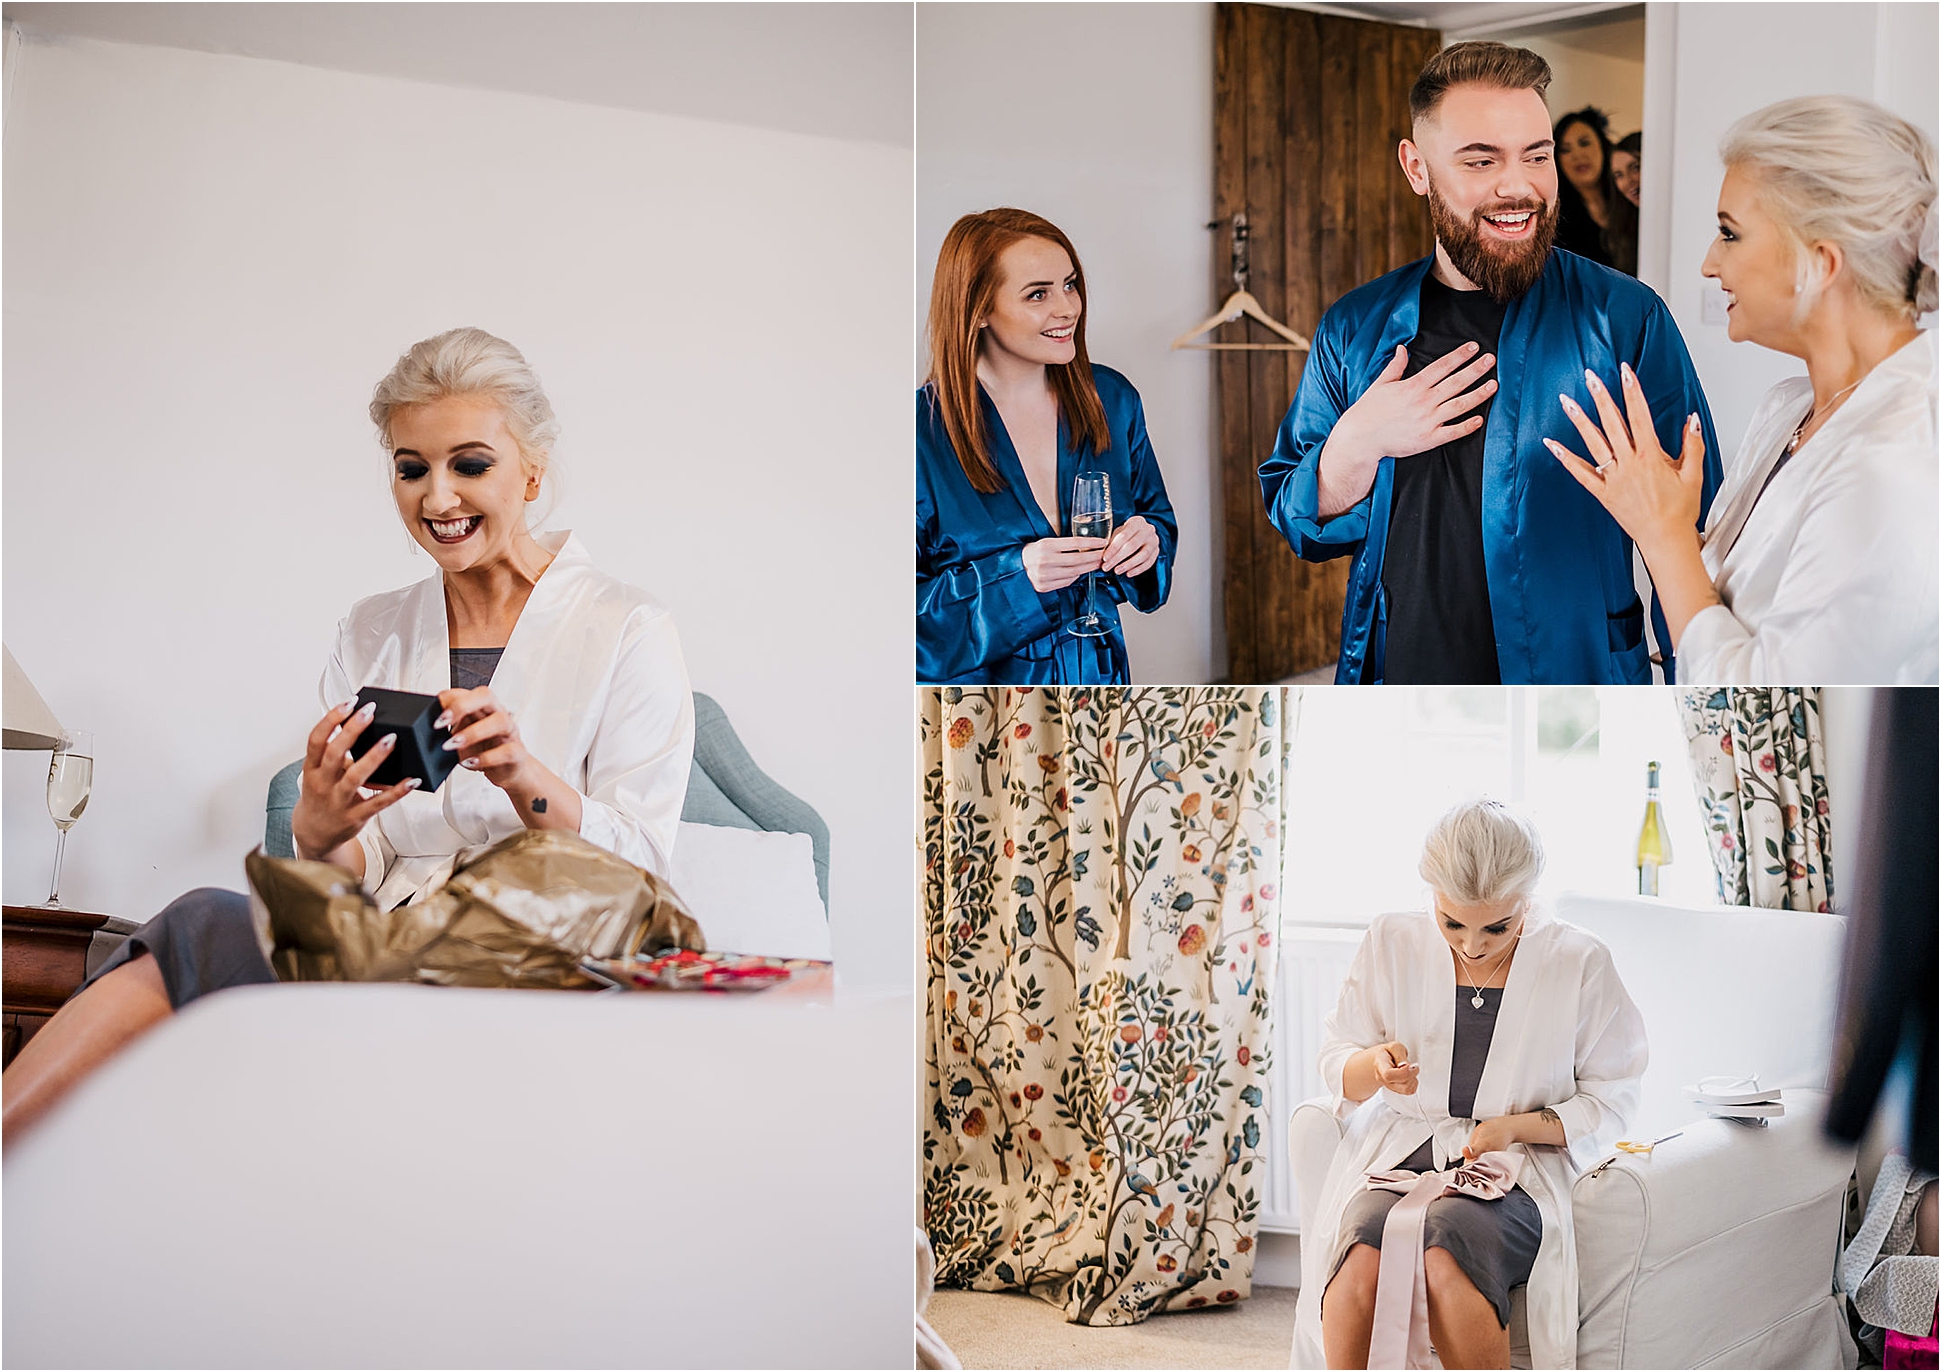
column 1091, row 518
column 70, row 778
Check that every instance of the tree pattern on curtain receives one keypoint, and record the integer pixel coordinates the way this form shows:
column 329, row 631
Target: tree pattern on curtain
column 1759, row 766
column 1100, row 897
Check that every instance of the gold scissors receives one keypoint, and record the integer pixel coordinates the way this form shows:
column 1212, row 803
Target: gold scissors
column 1633, row 1146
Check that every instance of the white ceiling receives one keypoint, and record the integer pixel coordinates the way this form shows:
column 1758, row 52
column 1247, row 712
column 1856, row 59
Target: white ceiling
column 837, row 70
column 1462, row 18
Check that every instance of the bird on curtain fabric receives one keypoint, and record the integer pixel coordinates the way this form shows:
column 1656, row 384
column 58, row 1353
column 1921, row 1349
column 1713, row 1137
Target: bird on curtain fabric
column 1166, row 772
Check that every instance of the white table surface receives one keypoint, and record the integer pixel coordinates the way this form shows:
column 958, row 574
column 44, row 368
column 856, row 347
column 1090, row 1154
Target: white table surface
column 422, row 1177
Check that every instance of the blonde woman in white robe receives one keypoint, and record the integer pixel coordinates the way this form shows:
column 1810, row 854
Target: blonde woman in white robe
column 1818, row 559
column 564, row 690
column 1559, row 1074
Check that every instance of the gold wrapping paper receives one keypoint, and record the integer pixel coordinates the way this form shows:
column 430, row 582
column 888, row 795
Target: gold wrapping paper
column 522, row 913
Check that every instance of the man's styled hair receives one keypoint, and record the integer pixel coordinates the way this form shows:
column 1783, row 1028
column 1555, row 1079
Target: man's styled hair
column 1476, row 63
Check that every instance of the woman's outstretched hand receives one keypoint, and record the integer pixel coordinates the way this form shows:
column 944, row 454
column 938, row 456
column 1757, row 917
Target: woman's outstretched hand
column 1052, row 564
column 1134, row 548
column 1654, row 497
column 332, row 805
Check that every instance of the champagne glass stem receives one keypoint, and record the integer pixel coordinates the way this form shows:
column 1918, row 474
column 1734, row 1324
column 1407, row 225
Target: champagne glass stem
column 60, row 848
column 1092, row 595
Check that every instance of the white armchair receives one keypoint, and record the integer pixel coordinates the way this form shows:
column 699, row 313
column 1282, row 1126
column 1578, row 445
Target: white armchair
column 1717, row 1249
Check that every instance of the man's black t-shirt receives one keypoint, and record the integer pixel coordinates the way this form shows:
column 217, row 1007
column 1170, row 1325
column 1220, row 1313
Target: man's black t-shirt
column 1439, row 626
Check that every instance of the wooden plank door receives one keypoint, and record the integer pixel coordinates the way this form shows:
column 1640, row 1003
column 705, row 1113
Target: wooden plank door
column 1308, row 110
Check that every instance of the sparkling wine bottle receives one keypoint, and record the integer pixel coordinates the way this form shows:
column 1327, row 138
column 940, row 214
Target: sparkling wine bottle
column 1654, row 844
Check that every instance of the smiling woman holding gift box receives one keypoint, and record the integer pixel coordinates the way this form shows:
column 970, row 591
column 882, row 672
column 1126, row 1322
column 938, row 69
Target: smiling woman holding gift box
column 563, row 690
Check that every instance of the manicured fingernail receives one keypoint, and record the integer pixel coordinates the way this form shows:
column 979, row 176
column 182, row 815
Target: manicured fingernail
column 387, row 741
column 411, row 783
column 1590, row 379
column 349, row 705
column 1630, row 377
column 451, row 744
column 1568, row 403
column 368, row 712
column 1691, row 421
column 442, row 721
column 471, row 762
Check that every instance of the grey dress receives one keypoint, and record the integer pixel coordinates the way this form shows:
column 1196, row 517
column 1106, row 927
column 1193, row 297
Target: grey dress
column 206, row 941
column 1494, row 1242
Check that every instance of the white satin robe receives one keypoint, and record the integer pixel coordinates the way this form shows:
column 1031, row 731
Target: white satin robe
column 1567, row 1036
column 593, row 677
column 1833, row 577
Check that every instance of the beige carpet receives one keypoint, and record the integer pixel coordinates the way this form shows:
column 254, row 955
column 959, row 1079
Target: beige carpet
column 1001, row 1329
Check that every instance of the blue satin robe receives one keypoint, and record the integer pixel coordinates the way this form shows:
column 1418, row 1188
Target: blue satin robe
column 1561, row 592
column 979, row 620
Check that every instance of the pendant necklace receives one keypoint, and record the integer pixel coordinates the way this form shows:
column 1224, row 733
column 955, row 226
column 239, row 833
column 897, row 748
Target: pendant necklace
column 1832, row 403
column 1477, row 1002
column 1786, row 453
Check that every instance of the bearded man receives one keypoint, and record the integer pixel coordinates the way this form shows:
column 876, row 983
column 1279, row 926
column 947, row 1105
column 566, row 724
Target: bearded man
column 1415, row 441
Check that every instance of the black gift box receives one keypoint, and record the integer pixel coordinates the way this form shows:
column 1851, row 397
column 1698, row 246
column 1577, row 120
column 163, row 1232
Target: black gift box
column 420, row 749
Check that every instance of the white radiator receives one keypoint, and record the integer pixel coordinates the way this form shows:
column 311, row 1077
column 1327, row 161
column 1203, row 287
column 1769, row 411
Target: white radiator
column 1314, row 961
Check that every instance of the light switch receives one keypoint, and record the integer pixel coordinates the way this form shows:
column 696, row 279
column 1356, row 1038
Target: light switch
column 1711, row 304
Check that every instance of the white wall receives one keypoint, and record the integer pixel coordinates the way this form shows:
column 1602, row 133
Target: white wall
column 1601, row 65
column 1727, row 60
column 212, row 259
column 1100, row 118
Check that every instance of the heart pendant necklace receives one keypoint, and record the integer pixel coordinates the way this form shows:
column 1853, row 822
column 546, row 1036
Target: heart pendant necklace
column 1477, row 1001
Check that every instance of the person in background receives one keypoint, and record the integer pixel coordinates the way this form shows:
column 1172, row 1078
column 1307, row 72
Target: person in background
column 1013, row 412
column 1627, row 165
column 1595, row 219
column 1818, row 562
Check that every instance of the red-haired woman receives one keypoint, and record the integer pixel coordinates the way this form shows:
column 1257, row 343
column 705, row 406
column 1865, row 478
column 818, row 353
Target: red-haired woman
column 1012, row 413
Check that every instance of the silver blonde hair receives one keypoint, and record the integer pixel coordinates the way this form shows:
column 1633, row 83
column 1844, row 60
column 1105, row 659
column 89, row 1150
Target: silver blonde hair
column 471, row 362
column 1835, row 169
column 1482, row 853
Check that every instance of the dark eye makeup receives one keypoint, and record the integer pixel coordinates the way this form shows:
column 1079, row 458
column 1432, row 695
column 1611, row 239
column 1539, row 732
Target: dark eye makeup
column 467, row 466
column 1492, row 929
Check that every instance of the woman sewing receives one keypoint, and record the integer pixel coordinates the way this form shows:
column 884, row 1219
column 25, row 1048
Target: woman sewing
column 564, row 691
column 1013, row 414
column 1480, row 1027
column 1818, row 558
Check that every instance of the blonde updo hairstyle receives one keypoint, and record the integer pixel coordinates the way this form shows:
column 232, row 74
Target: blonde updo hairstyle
column 1482, row 853
column 1835, row 169
column 465, row 362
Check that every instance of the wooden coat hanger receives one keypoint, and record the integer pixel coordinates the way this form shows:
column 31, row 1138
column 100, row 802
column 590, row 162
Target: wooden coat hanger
column 1241, row 304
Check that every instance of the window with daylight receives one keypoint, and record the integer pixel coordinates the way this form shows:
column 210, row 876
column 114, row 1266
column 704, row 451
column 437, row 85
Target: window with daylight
column 1371, row 770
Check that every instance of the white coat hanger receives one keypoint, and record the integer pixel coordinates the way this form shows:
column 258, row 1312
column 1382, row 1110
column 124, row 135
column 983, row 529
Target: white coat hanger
column 1241, row 304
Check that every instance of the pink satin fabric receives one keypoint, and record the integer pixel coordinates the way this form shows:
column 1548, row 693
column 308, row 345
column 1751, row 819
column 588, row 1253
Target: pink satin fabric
column 1400, row 1337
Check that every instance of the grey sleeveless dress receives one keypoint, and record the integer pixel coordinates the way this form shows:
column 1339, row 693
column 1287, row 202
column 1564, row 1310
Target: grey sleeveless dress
column 1494, row 1242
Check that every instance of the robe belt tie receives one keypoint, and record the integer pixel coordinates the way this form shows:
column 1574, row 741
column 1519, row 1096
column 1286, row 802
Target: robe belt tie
column 1401, row 1330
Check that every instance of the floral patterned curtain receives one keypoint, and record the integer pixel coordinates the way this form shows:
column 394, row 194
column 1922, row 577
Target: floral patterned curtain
column 1100, row 902
column 1760, row 769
